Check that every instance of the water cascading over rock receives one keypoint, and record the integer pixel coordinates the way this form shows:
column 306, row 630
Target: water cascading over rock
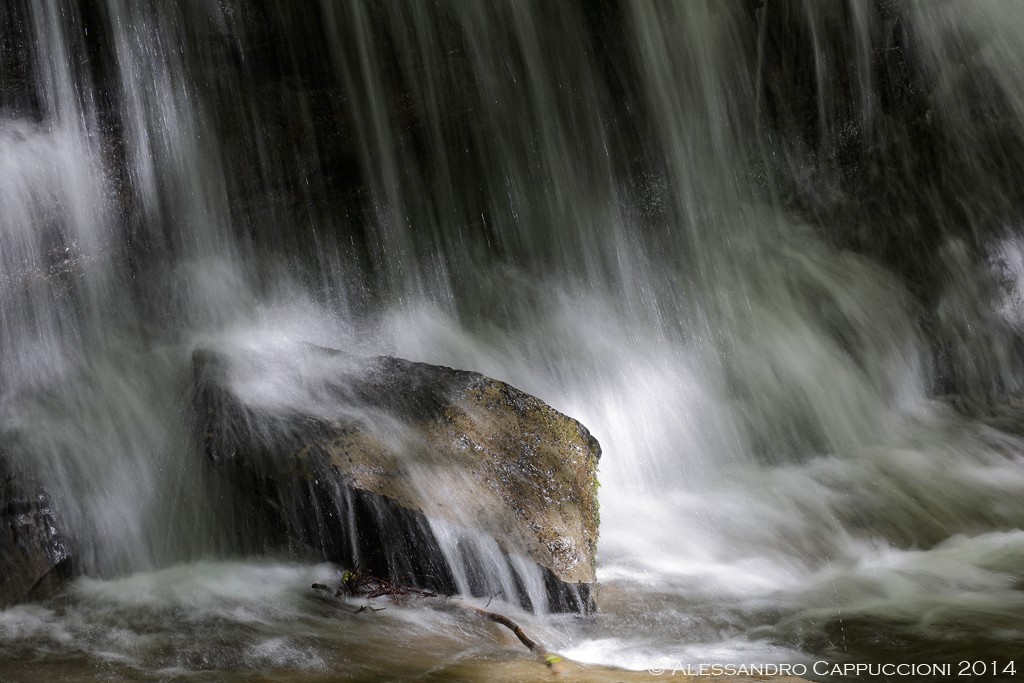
column 420, row 473
column 770, row 253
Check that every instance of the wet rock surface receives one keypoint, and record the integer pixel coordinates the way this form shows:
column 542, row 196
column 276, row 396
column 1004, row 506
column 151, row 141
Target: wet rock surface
column 35, row 559
column 355, row 463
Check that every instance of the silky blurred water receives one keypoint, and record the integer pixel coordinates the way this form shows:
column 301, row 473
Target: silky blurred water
column 771, row 258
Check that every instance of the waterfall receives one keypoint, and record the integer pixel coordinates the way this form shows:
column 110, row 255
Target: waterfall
column 771, row 256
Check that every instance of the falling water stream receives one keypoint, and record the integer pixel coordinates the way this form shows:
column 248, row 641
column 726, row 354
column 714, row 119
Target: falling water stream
column 772, row 257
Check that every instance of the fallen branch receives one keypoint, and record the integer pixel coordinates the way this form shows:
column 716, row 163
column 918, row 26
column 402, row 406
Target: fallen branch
column 551, row 659
column 355, row 584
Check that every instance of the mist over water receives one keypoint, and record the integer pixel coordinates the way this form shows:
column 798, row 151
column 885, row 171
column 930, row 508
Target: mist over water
column 772, row 258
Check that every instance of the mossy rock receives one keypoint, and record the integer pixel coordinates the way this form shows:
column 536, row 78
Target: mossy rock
column 411, row 441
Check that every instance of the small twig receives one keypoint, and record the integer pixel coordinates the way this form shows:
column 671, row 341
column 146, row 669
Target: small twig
column 370, row 587
column 370, row 608
column 551, row 659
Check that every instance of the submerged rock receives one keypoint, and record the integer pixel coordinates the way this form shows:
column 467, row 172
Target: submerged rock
column 34, row 557
column 408, row 470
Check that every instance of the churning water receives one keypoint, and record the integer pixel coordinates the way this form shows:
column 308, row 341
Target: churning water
column 772, row 257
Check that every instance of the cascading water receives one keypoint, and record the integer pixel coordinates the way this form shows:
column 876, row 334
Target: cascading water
column 771, row 257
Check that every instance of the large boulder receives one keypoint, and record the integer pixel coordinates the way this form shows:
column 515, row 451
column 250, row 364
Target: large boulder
column 34, row 557
column 400, row 467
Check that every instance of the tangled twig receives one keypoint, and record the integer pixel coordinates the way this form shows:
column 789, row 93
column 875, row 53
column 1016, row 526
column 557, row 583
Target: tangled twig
column 355, row 583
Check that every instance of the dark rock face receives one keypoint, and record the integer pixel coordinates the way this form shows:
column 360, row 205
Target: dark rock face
column 35, row 560
column 388, row 445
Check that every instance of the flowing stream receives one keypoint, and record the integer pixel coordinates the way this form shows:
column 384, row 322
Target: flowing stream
column 772, row 257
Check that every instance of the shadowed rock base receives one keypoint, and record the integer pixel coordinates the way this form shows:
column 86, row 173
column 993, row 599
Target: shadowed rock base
column 34, row 558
